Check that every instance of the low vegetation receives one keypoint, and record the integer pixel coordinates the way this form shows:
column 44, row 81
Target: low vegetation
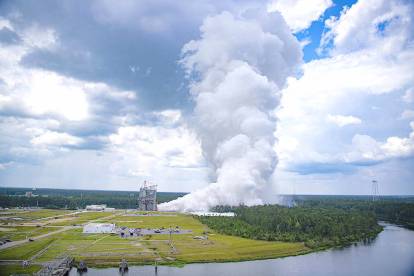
column 7, row 270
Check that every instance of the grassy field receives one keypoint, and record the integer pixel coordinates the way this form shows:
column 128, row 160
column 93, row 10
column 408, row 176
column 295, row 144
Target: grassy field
column 6, row 270
column 16, row 233
column 78, row 219
column 109, row 249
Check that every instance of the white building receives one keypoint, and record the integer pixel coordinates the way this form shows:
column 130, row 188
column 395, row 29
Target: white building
column 95, row 207
column 213, row 214
column 97, row 228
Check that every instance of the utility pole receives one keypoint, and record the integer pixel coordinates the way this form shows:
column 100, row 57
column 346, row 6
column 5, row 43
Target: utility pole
column 170, row 236
column 375, row 193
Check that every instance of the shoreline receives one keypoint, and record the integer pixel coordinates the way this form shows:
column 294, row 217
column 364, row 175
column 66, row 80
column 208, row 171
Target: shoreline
column 179, row 263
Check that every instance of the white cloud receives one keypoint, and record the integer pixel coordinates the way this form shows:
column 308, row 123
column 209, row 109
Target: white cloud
column 3, row 166
column 374, row 70
column 37, row 36
column 409, row 95
column 145, row 149
column 52, row 138
column 365, row 147
column 150, row 16
column 169, row 116
column 47, row 92
column 381, row 24
column 305, row 42
column 43, row 110
column 407, row 114
column 341, row 120
column 330, row 86
column 38, row 92
column 5, row 23
column 299, row 14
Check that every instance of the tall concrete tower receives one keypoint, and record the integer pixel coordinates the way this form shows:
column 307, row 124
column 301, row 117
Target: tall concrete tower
column 147, row 198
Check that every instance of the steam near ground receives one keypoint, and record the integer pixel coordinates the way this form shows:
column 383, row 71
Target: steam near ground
column 238, row 67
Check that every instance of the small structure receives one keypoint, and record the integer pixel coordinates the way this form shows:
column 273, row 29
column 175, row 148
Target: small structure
column 95, row 207
column 82, row 267
column 58, row 267
column 147, row 198
column 99, row 228
column 30, row 194
column 213, row 214
column 123, row 266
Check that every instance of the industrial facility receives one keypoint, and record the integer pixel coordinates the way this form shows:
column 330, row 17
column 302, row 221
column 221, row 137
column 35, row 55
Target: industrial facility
column 147, row 198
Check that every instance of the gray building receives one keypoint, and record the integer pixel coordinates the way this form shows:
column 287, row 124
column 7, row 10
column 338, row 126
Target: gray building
column 147, row 198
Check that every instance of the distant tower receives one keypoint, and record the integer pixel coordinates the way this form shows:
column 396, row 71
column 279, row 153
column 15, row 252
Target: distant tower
column 147, row 198
column 375, row 193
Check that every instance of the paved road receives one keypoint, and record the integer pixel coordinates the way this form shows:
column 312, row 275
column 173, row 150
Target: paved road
column 58, row 216
column 29, row 224
column 16, row 243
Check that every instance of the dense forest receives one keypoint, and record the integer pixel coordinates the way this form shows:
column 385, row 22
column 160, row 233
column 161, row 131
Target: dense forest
column 398, row 211
column 316, row 226
column 74, row 199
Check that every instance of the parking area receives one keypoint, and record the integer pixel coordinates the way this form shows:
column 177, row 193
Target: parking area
column 125, row 232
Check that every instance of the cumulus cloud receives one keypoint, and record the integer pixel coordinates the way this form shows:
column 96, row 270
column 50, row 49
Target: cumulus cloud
column 169, row 116
column 163, row 152
column 42, row 111
column 52, row 138
column 341, row 120
column 369, row 65
column 299, row 14
column 52, row 120
column 149, row 145
column 371, row 23
column 239, row 65
column 365, row 147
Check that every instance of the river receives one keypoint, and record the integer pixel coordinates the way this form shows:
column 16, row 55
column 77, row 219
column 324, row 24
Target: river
column 391, row 253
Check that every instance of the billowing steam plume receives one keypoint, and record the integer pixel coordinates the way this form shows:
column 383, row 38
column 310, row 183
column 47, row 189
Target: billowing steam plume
column 238, row 66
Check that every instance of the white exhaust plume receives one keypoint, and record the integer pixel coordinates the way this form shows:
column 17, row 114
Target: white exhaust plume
column 239, row 65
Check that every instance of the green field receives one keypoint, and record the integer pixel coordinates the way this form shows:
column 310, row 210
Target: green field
column 6, row 270
column 109, row 249
column 16, row 233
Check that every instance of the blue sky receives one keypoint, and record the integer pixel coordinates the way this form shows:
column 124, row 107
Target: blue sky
column 315, row 31
column 95, row 95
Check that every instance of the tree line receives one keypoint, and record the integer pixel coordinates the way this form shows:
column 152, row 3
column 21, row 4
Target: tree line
column 393, row 210
column 74, row 199
column 316, row 226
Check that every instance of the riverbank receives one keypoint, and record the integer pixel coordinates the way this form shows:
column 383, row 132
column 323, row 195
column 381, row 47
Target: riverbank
column 102, row 250
column 201, row 245
column 390, row 253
